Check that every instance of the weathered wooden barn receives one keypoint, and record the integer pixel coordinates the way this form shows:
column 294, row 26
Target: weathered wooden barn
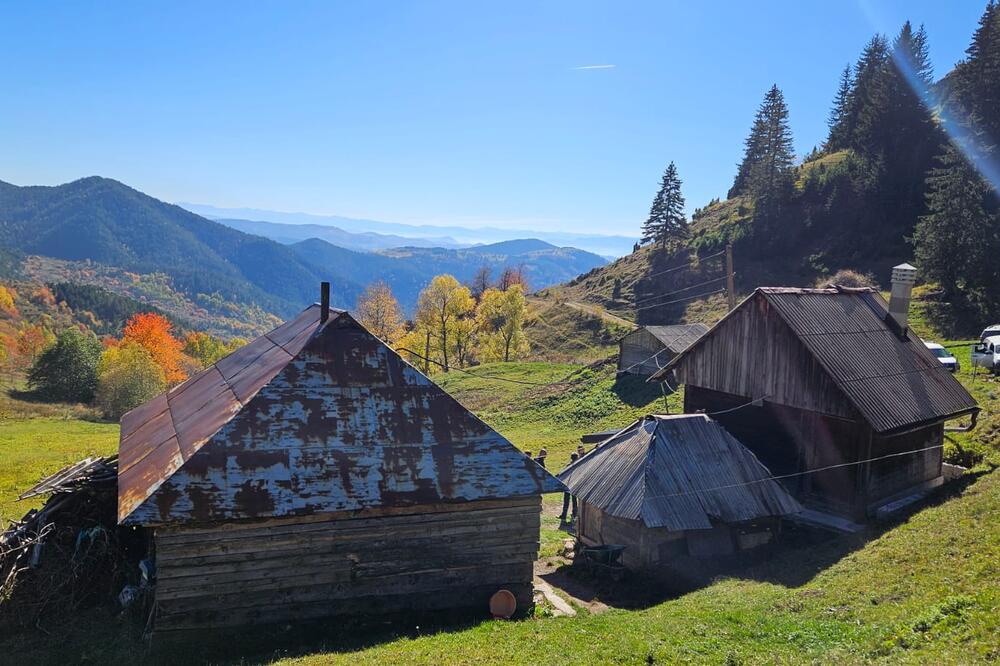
column 672, row 487
column 648, row 348
column 827, row 385
column 314, row 472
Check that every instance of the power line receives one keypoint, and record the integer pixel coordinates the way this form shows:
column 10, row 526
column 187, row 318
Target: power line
column 795, row 474
column 496, row 379
column 679, row 300
column 677, row 291
column 687, row 265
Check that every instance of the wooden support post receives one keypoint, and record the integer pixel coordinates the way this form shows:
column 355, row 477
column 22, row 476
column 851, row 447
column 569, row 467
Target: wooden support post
column 730, row 282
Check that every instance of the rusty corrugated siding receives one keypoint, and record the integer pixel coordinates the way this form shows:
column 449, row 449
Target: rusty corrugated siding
column 311, row 419
column 679, row 472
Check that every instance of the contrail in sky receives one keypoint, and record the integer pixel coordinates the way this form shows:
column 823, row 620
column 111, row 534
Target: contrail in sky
column 595, row 67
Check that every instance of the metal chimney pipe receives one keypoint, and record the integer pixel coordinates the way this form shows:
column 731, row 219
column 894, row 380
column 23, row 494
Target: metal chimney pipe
column 324, row 302
column 903, row 278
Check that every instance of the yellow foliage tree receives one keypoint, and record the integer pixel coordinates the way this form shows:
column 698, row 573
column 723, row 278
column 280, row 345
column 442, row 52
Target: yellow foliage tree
column 207, row 349
column 441, row 305
column 7, row 296
column 378, row 311
column 500, row 323
column 127, row 376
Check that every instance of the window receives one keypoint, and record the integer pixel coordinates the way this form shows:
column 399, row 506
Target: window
column 941, row 353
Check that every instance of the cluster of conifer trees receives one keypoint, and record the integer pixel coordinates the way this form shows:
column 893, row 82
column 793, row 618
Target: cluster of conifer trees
column 908, row 169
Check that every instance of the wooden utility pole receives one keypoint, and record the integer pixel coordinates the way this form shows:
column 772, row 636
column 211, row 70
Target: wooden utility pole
column 730, row 282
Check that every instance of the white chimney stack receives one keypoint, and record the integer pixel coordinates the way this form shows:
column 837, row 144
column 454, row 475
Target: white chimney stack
column 903, row 278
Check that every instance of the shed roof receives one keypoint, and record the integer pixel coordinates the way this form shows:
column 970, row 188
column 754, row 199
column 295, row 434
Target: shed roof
column 894, row 381
column 680, row 472
column 676, row 337
column 311, row 417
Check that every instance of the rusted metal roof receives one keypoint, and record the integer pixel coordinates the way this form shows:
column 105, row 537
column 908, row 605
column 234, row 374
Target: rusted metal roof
column 680, row 472
column 893, row 381
column 677, row 337
column 310, row 418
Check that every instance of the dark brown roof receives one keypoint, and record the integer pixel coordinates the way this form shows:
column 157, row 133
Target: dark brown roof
column 310, row 418
column 676, row 337
column 680, row 472
column 893, row 381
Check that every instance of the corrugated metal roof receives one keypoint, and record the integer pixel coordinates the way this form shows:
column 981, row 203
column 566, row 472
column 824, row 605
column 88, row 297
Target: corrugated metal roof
column 677, row 337
column 893, row 382
column 310, row 418
column 680, row 472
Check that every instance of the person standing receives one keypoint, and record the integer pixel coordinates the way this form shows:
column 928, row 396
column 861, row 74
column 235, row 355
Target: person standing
column 567, row 497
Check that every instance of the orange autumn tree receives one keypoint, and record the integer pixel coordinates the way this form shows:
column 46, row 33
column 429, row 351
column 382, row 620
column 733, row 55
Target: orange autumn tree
column 153, row 332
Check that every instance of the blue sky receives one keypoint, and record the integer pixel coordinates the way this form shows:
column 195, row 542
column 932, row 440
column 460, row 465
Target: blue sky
column 427, row 112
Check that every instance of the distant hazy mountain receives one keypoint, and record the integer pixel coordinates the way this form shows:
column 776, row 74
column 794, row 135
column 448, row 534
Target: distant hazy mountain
column 606, row 245
column 365, row 241
column 408, row 269
column 102, row 220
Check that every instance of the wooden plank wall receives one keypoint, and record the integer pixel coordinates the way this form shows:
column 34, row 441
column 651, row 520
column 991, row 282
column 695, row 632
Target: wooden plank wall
column 424, row 557
column 891, row 476
column 635, row 351
column 755, row 354
column 789, row 440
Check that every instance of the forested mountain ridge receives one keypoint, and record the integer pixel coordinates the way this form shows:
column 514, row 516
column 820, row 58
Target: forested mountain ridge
column 103, row 221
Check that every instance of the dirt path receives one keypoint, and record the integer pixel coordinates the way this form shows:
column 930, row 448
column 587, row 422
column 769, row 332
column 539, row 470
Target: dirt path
column 600, row 312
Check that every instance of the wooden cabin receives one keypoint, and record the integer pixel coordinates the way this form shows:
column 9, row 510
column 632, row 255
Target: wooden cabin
column 827, row 385
column 648, row 348
column 314, row 472
column 675, row 487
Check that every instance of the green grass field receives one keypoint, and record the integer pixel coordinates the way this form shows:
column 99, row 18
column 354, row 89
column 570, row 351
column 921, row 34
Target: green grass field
column 923, row 590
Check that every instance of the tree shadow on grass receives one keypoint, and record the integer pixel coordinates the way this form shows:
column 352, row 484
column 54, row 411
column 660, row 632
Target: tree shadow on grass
column 798, row 557
column 804, row 553
column 267, row 643
column 635, row 391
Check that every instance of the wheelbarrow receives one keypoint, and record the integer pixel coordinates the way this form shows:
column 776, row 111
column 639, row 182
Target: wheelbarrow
column 603, row 560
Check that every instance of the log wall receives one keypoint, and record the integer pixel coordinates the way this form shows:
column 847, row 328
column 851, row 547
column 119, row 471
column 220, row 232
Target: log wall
column 372, row 561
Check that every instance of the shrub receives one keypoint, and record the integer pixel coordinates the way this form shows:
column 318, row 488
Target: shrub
column 127, row 377
column 67, row 371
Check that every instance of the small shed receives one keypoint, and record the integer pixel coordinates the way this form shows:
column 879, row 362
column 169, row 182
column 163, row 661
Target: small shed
column 672, row 487
column 825, row 385
column 648, row 348
column 314, row 472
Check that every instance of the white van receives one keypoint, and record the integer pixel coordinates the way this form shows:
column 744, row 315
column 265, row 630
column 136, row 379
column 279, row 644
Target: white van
column 987, row 354
column 990, row 332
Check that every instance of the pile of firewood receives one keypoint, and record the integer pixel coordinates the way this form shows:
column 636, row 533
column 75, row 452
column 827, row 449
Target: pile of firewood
column 66, row 555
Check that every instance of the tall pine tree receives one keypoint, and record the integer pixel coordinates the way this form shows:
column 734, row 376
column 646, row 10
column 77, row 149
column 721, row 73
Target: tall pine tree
column 958, row 241
column 666, row 219
column 837, row 138
column 863, row 90
column 768, row 158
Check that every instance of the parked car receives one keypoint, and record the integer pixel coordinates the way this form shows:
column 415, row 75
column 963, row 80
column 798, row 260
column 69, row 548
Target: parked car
column 987, row 354
column 943, row 355
column 990, row 332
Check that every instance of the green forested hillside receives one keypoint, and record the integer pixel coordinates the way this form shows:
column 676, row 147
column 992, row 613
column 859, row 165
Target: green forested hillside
column 103, row 221
column 905, row 174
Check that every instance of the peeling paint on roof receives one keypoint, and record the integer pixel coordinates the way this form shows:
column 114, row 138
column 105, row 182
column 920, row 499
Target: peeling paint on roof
column 311, row 418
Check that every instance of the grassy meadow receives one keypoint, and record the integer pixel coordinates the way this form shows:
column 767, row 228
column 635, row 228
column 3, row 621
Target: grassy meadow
column 920, row 590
